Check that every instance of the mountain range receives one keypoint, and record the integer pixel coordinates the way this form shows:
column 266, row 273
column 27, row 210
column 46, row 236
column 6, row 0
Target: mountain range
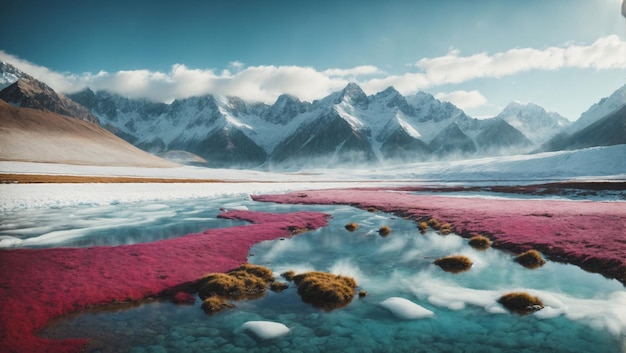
column 347, row 126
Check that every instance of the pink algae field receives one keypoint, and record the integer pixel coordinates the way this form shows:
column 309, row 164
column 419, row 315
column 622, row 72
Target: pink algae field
column 37, row 286
column 589, row 234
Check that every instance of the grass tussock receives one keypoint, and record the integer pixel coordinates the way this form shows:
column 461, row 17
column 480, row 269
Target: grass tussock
column 288, row 275
column 351, row 227
column 423, row 227
column 325, row 290
column 521, row 302
column 245, row 282
column 454, row 263
column 530, row 259
column 212, row 305
column 278, row 286
column 434, row 223
column 384, row 231
column 445, row 229
column 479, row 242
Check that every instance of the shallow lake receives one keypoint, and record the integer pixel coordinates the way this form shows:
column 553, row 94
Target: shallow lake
column 584, row 312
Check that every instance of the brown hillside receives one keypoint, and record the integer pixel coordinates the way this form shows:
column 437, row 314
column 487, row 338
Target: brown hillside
column 36, row 136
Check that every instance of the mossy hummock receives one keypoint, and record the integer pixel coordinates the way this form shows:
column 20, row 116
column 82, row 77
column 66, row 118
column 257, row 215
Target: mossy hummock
column 521, row 302
column 325, row 290
column 454, row 263
column 479, row 242
column 530, row 259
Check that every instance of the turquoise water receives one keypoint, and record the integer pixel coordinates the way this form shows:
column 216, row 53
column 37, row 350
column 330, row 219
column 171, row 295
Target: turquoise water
column 584, row 312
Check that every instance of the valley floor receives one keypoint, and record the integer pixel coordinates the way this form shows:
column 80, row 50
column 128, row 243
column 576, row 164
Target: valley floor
column 580, row 222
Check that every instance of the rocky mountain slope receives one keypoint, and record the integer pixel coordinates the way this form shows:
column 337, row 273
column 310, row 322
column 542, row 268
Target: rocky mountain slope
column 603, row 124
column 608, row 131
column 28, row 92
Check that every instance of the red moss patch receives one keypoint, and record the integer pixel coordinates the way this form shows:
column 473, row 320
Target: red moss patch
column 39, row 285
column 589, row 234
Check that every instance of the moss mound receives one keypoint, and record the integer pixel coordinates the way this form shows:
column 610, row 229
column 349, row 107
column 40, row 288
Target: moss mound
column 454, row 263
column 530, row 259
column 256, row 270
column 351, row 226
column 245, row 282
column 445, row 229
column 521, row 302
column 288, row 275
column 479, row 242
column 325, row 290
column 214, row 304
column 434, row 223
column 278, row 286
column 384, row 231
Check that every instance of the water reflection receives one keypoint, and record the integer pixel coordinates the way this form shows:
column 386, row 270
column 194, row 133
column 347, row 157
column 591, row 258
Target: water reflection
column 586, row 312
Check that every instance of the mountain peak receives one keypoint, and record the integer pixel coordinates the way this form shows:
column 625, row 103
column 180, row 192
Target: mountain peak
column 284, row 109
column 30, row 93
column 9, row 74
column 354, row 95
column 533, row 121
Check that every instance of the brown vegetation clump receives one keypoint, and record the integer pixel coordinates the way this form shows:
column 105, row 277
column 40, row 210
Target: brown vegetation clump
column 325, row 290
column 245, row 282
column 384, row 231
column 256, row 270
column 434, row 223
column 530, row 259
column 445, row 229
column 288, row 275
column 423, row 227
column 278, row 286
column 214, row 304
column 351, row 226
column 372, row 209
column 521, row 303
column 454, row 263
column 479, row 242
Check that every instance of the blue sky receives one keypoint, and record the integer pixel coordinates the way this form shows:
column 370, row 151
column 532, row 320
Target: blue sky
column 562, row 54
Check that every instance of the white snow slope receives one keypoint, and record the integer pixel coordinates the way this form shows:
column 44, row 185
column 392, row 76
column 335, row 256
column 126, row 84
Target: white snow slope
column 592, row 163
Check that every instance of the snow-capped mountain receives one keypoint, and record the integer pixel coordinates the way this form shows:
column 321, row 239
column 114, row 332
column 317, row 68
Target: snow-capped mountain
column 607, row 131
column 9, row 74
column 346, row 126
column 28, row 92
column 533, row 121
column 603, row 124
column 599, row 110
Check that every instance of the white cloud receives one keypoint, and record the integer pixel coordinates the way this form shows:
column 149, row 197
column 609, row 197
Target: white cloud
column 463, row 99
column 266, row 83
column 605, row 53
column 355, row 71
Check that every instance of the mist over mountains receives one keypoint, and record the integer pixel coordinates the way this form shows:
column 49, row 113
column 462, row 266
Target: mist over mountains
column 346, row 127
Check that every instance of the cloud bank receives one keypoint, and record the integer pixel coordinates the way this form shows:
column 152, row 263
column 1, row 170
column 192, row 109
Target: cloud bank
column 265, row 83
column 463, row 99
